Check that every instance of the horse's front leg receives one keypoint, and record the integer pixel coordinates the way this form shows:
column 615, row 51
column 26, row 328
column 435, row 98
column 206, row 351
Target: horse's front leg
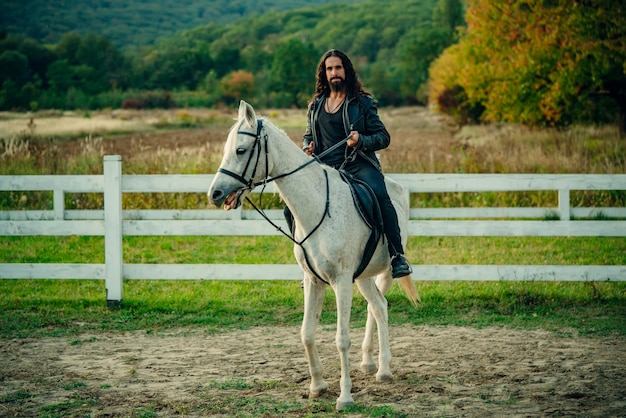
column 343, row 295
column 376, row 314
column 313, row 302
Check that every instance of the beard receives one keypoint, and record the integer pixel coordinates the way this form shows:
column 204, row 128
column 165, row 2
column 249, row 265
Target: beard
column 338, row 84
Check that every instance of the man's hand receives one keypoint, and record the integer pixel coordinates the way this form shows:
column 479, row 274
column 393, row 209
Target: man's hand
column 354, row 139
column 310, row 149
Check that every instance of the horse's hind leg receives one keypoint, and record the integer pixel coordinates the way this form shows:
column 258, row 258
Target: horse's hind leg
column 313, row 302
column 368, row 365
column 343, row 296
column 376, row 315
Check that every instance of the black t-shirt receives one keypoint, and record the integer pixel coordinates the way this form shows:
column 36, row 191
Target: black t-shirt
column 331, row 131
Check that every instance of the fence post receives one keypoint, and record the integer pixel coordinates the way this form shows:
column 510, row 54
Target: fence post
column 58, row 199
column 564, row 205
column 113, row 229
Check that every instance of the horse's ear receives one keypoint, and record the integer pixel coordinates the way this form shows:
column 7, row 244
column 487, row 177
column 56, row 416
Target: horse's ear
column 247, row 112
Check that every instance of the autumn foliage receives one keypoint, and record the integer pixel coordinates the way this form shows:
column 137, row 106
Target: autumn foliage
column 539, row 62
column 238, row 84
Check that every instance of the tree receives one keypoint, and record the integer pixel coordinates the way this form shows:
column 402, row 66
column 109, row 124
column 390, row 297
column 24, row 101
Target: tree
column 174, row 66
column 106, row 61
column 426, row 44
column 417, row 56
column 293, row 70
column 225, row 59
column 212, row 86
column 372, row 33
column 67, row 47
column 9, row 95
column 39, row 56
column 237, row 85
column 385, row 83
column 59, row 76
column 23, row 64
column 449, row 15
column 542, row 62
column 14, row 66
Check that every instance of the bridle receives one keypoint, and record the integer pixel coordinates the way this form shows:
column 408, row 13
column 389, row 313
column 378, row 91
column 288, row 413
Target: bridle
column 250, row 184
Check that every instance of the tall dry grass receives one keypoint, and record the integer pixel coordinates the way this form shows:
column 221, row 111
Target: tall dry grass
column 422, row 142
column 427, row 143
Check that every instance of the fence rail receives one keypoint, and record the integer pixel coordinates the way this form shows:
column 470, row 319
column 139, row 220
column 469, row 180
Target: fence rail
column 113, row 223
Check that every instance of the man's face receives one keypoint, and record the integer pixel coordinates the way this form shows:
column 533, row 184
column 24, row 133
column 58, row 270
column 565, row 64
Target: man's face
column 335, row 73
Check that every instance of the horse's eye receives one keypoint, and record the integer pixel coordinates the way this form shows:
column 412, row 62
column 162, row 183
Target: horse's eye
column 240, row 150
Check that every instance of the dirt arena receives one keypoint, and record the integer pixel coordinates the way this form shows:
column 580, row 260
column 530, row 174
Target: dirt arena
column 447, row 371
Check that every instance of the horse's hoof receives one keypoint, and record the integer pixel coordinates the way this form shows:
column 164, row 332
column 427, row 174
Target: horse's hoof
column 341, row 405
column 368, row 368
column 318, row 391
column 384, row 378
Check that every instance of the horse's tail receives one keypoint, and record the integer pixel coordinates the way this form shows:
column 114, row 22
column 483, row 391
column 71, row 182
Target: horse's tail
column 410, row 291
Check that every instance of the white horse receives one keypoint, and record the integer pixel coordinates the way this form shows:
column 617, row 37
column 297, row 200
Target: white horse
column 329, row 236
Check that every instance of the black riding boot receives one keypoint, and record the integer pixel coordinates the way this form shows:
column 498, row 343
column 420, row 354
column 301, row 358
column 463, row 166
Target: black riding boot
column 400, row 266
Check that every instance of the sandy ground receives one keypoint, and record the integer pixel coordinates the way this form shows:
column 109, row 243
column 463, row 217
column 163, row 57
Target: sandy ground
column 447, row 371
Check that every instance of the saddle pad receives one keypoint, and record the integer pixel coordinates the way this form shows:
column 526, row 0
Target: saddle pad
column 365, row 200
column 368, row 208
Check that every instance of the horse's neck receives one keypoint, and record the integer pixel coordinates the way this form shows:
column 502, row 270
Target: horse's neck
column 305, row 190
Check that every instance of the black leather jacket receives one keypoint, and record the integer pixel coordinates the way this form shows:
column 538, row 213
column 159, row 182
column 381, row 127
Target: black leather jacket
column 359, row 114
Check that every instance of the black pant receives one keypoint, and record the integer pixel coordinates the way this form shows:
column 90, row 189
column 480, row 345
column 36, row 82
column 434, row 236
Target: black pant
column 369, row 174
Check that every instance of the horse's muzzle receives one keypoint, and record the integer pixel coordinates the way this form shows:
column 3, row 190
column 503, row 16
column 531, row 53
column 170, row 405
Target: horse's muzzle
column 230, row 199
column 217, row 197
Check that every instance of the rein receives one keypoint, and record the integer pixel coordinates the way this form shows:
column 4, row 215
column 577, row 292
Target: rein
column 257, row 142
column 278, row 228
column 249, row 184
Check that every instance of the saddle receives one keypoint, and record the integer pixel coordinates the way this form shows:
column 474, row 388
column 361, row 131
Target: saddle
column 368, row 208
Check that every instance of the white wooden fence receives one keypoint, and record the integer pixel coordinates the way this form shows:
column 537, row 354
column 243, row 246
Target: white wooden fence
column 113, row 223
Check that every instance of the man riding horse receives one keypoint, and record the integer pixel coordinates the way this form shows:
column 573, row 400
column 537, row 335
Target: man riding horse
column 341, row 107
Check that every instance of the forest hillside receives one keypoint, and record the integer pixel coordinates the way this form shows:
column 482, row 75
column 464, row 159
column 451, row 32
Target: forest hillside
column 131, row 22
column 534, row 62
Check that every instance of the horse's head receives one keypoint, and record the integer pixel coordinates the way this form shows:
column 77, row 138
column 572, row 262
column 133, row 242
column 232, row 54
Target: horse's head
column 244, row 161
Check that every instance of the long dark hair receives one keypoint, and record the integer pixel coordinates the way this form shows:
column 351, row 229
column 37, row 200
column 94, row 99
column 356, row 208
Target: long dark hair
column 353, row 83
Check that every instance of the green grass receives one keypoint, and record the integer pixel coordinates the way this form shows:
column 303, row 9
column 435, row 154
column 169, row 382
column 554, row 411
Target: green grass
column 31, row 308
column 279, row 250
column 67, row 307
column 35, row 308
